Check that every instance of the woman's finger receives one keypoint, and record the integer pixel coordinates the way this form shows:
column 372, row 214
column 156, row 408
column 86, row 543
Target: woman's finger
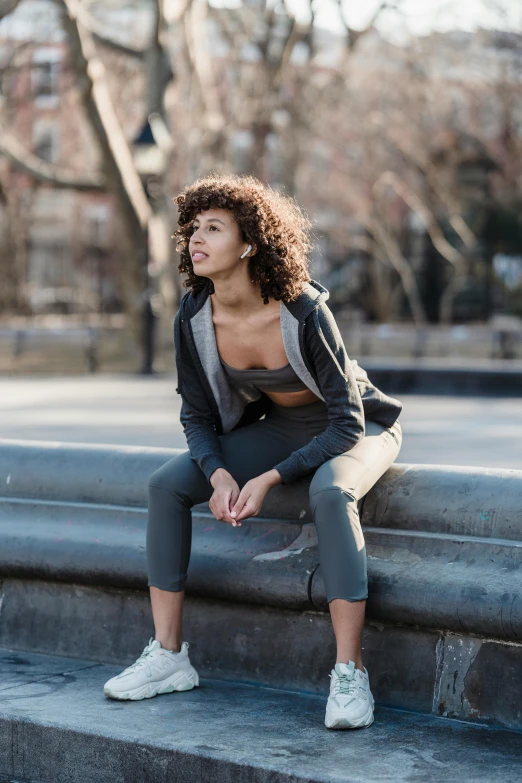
column 247, row 510
column 226, row 511
column 239, row 504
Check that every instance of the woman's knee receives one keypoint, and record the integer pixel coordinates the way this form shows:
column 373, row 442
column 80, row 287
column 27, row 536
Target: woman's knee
column 324, row 486
column 181, row 477
column 331, row 503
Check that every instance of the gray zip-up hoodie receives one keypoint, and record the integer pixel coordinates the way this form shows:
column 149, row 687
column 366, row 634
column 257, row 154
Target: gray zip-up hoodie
column 212, row 406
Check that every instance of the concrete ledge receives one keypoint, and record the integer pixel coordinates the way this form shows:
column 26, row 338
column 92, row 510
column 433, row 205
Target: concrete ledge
column 459, row 583
column 57, row 726
column 103, row 474
column 429, row 671
column 444, row 549
column 444, row 543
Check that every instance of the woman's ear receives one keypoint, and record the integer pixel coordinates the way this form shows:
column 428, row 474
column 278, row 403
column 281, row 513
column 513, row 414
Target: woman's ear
column 250, row 251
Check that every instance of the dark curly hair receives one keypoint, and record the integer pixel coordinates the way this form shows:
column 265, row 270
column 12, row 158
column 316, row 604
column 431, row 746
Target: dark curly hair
column 267, row 218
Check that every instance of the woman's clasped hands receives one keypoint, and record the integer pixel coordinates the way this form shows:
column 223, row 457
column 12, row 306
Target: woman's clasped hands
column 230, row 504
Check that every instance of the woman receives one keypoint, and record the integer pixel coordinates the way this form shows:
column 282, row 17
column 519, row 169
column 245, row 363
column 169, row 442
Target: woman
column 254, row 337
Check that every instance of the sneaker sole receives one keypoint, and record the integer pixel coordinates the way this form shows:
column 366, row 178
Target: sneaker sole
column 181, row 681
column 346, row 723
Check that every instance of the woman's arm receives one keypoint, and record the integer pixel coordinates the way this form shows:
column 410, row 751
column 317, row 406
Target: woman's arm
column 339, row 388
column 196, row 416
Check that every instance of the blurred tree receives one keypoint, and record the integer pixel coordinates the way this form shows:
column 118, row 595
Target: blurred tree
column 371, row 136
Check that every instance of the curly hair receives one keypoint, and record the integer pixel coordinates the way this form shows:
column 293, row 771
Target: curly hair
column 267, row 218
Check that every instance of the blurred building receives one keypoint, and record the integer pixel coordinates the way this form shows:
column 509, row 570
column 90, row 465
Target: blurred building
column 377, row 120
column 72, row 250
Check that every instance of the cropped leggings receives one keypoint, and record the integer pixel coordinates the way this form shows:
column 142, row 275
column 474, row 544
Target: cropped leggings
column 335, row 488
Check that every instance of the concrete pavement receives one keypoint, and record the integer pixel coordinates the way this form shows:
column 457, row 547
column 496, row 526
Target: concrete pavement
column 133, row 410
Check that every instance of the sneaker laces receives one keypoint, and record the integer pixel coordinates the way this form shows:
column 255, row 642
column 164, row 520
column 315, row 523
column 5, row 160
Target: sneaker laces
column 344, row 684
column 142, row 660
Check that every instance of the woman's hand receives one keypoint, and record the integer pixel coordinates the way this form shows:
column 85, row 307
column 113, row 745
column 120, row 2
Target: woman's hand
column 252, row 496
column 226, row 492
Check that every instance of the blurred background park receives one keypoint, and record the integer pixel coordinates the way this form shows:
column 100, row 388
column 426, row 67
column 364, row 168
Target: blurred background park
column 397, row 126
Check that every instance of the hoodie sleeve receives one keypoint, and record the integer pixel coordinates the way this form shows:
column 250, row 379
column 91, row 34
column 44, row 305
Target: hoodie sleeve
column 196, row 416
column 337, row 384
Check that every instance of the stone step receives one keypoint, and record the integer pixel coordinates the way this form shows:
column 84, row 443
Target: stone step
column 444, row 613
column 56, row 726
column 470, row 561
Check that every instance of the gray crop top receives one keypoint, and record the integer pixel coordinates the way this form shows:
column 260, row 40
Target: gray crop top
column 282, row 379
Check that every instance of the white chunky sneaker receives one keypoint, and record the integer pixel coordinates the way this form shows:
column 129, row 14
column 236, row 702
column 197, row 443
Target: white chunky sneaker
column 350, row 703
column 156, row 671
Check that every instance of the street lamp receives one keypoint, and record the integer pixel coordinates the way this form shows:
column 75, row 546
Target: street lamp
column 149, row 161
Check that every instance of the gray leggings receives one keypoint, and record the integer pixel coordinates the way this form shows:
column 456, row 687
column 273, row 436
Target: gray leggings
column 335, row 488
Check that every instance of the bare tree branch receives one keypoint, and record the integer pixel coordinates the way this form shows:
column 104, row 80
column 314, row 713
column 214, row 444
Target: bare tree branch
column 293, row 36
column 446, row 198
column 7, row 7
column 99, row 107
column 408, row 195
column 174, row 10
column 110, row 43
column 99, row 34
column 352, row 35
column 47, row 172
column 407, row 276
column 122, row 179
column 198, row 47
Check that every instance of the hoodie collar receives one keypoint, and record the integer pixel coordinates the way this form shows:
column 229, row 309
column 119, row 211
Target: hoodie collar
column 312, row 295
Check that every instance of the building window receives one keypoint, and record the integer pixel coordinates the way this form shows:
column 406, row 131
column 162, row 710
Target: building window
column 45, row 77
column 46, row 141
column 96, row 220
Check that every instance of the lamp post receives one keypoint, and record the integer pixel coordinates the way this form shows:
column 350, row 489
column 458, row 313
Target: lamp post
column 149, row 160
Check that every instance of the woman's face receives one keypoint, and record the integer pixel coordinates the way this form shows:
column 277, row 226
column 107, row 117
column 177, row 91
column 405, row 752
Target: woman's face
column 215, row 244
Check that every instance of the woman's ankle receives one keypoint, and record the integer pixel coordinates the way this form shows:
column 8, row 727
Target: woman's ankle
column 169, row 644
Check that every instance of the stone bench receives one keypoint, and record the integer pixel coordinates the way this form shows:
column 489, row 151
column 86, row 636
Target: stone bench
column 444, row 545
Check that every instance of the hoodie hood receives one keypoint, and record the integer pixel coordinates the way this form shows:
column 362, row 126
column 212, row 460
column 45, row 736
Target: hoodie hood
column 313, row 295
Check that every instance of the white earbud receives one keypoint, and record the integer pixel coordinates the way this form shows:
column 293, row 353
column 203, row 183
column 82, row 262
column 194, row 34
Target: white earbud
column 249, row 248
